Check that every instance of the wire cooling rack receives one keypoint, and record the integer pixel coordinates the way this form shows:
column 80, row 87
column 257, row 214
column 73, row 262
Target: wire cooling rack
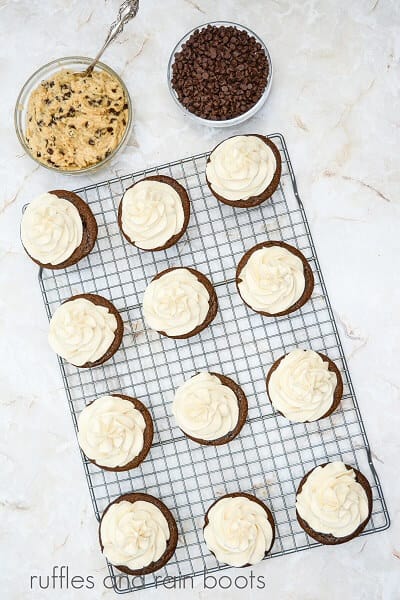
column 270, row 455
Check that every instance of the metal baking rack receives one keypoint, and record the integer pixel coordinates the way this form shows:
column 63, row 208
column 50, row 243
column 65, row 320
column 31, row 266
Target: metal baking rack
column 270, row 455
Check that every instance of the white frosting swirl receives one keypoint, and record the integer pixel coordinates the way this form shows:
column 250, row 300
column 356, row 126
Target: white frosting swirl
column 332, row 501
column 111, row 431
column 241, row 167
column 176, row 303
column 302, row 387
column 152, row 213
column 134, row 534
column 238, row 531
column 205, row 408
column 81, row 331
column 51, row 229
column 272, row 280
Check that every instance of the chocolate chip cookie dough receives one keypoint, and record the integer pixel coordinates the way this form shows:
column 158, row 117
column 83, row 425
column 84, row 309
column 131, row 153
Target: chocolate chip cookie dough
column 76, row 120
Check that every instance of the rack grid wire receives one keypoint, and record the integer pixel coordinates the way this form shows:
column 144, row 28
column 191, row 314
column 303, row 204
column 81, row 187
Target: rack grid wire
column 271, row 454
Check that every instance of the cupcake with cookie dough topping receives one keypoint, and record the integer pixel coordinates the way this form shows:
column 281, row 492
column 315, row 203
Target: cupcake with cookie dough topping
column 244, row 170
column 154, row 213
column 210, row 408
column 58, row 229
column 86, row 330
column 304, row 386
column 179, row 302
column 334, row 503
column 274, row 279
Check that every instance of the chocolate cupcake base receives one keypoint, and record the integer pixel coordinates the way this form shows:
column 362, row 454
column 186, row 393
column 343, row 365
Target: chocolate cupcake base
column 327, row 538
column 267, row 193
column 308, row 277
column 173, row 531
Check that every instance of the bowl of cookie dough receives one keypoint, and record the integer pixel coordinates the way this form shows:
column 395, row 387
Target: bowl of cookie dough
column 71, row 122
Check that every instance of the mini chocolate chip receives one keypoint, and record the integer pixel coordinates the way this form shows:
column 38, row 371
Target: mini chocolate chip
column 220, row 72
column 91, row 142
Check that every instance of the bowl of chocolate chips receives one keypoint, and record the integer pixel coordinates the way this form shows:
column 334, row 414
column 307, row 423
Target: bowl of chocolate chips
column 220, row 74
column 72, row 121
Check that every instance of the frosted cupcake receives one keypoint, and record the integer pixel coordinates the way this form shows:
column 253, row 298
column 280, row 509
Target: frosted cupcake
column 274, row 279
column 86, row 330
column 210, row 408
column 154, row 213
column 334, row 503
column 304, row 386
column 179, row 302
column 244, row 170
column 58, row 229
column 115, row 432
column 138, row 534
column 239, row 530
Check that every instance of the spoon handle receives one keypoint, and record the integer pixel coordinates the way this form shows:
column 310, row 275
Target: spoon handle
column 127, row 11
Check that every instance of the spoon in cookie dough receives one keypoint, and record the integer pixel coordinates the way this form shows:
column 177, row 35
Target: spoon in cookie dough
column 127, row 11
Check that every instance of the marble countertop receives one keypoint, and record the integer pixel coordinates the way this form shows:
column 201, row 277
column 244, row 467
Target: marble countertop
column 335, row 98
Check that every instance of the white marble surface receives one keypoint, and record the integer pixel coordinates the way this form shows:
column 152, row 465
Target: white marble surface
column 335, row 98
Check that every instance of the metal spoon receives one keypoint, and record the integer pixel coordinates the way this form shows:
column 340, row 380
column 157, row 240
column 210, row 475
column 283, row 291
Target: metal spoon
column 127, row 11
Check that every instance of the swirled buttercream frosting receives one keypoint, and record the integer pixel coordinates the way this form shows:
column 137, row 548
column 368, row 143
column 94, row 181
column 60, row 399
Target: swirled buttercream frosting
column 205, row 408
column 152, row 213
column 111, row 431
column 302, row 387
column 272, row 280
column 332, row 501
column 134, row 534
column 51, row 229
column 241, row 167
column 81, row 331
column 238, row 531
column 176, row 303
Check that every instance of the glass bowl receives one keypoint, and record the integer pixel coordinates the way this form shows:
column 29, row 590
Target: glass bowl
column 73, row 63
column 235, row 120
